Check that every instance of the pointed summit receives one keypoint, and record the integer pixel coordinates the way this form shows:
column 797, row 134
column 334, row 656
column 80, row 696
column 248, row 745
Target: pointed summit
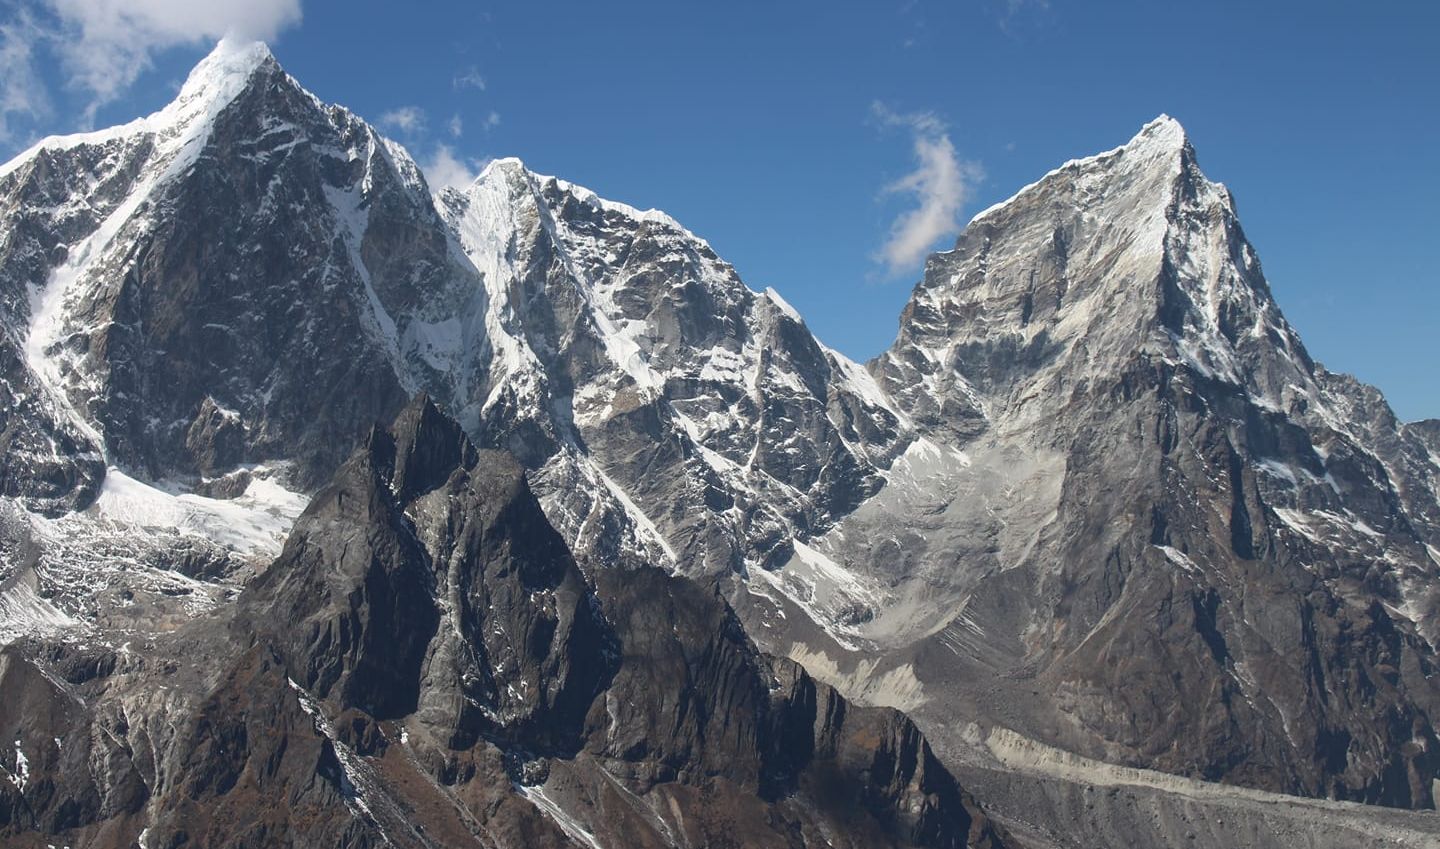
column 216, row 82
column 225, row 71
column 212, row 85
column 1147, row 162
column 231, row 57
column 504, row 164
column 1133, row 249
column 1163, row 130
column 1161, row 145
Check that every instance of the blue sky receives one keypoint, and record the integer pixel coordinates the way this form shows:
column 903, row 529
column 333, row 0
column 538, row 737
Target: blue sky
column 779, row 131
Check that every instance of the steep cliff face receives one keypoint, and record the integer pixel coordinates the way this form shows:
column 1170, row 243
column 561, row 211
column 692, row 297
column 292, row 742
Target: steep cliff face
column 425, row 664
column 1202, row 551
column 252, row 278
column 163, row 279
column 426, row 578
column 1097, row 494
column 632, row 361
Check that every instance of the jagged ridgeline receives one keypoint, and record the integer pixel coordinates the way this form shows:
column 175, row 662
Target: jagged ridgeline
column 425, row 665
column 634, row 560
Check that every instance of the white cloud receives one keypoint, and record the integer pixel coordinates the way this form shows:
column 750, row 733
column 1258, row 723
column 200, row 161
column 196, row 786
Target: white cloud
column 457, row 127
column 22, row 94
column 406, row 119
column 470, row 78
column 492, row 120
column 447, row 170
column 941, row 184
column 1015, row 14
column 104, row 45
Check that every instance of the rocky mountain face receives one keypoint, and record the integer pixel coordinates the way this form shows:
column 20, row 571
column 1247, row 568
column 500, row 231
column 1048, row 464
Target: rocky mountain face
column 634, row 365
column 624, row 572
column 425, row 665
column 545, row 318
column 1147, row 505
column 161, row 279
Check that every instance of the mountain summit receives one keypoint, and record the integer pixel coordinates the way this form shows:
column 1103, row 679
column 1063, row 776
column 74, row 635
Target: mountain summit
column 640, row 560
column 1144, row 477
column 1133, row 249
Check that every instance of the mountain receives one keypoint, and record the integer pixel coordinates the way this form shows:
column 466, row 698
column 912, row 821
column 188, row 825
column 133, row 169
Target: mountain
column 1157, row 531
column 1096, row 513
column 176, row 352
column 633, row 366
column 207, row 309
column 425, row 665
column 526, row 304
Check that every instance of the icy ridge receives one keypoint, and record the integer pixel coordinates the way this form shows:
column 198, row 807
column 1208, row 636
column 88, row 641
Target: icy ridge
column 1157, row 139
column 209, row 88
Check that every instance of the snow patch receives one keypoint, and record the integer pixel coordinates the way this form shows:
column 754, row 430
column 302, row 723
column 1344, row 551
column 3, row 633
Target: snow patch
column 568, row 824
column 1179, row 558
column 635, row 513
column 827, row 592
column 21, row 776
column 256, row 522
column 24, row 613
column 784, row 305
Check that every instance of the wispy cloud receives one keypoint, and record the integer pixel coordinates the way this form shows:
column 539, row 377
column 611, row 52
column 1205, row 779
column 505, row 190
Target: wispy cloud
column 1014, row 15
column 104, row 45
column 445, row 169
column 1015, row 7
column 940, row 184
column 406, row 119
column 469, row 78
column 913, row 15
column 22, row 94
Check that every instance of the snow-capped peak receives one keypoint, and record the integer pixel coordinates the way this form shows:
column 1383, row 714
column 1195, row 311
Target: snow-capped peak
column 1159, row 142
column 1162, row 130
column 511, row 167
column 1133, row 249
column 231, row 63
column 507, row 164
column 220, row 76
column 211, row 86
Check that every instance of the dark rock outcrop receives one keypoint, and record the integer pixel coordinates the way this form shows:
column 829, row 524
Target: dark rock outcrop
column 426, row 659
